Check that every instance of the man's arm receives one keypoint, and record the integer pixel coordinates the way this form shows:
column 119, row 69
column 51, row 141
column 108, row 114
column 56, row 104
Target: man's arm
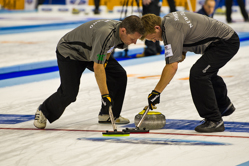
column 108, row 56
column 100, row 75
column 167, row 75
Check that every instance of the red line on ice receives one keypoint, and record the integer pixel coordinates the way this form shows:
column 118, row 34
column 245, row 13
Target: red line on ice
column 186, row 134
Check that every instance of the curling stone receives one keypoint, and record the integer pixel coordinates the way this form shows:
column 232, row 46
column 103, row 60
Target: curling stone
column 153, row 120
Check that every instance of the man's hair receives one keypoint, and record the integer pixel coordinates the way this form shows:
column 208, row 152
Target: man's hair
column 132, row 24
column 150, row 21
column 206, row 1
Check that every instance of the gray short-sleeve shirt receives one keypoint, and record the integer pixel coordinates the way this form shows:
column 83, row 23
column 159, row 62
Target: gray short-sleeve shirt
column 186, row 31
column 91, row 41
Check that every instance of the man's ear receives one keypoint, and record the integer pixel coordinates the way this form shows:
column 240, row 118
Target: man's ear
column 123, row 30
column 157, row 27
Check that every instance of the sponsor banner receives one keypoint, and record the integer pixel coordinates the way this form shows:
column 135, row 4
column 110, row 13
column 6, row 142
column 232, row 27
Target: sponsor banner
column 76, row 2
column 68, row 8
column 30, row 4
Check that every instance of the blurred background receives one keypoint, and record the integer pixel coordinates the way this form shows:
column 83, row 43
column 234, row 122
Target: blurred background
column 105, row 6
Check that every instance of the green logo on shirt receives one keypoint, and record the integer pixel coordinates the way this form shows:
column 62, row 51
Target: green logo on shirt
column 100, row 57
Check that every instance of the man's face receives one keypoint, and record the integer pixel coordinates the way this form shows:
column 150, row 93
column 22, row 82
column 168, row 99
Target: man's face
column 209, row 7
column 129, row 38
column 157, row 36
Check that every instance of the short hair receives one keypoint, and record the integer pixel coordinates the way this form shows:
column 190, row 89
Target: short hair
column 132, row 24
column 150, row 21
column 206, row 1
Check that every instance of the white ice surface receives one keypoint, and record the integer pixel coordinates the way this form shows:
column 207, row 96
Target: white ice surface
column 20, row 147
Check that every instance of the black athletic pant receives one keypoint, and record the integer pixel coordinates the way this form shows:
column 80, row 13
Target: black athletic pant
column 208, row 90
column 229, row 9
column 70, row 74
column 172, row 5
column 96, row 3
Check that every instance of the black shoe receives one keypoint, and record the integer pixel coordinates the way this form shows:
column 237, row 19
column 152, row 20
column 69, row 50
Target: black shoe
column 229, row 20
column 96, row 11
column 210, row 126
column 228, row 111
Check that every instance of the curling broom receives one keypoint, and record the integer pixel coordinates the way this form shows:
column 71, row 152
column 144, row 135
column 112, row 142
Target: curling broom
column 137, row 129
column 114, row 133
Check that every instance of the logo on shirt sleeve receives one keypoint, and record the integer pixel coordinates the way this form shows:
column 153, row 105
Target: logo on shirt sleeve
column 168, row 51
column 100, row 57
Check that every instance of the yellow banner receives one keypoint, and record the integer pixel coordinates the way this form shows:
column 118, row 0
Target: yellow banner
column 12, row 4
column 111, row 3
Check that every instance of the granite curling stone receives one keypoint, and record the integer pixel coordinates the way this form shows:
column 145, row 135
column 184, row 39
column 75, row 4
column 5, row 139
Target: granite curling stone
column 153, row 120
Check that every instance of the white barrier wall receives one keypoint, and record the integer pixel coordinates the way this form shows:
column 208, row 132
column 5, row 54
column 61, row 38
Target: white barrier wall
column 68, row 8
column 135, row 11
column 129, row 10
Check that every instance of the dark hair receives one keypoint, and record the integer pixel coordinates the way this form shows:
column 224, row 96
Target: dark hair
column 132, row 24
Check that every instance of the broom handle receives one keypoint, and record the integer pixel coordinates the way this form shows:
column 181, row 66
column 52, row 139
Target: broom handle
column 112, row 118
column 142, row 119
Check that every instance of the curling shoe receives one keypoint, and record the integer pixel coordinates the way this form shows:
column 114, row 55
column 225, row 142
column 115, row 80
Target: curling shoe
column 210, row 126
column 40, row 120
column 105, row 118
column 228, row 111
